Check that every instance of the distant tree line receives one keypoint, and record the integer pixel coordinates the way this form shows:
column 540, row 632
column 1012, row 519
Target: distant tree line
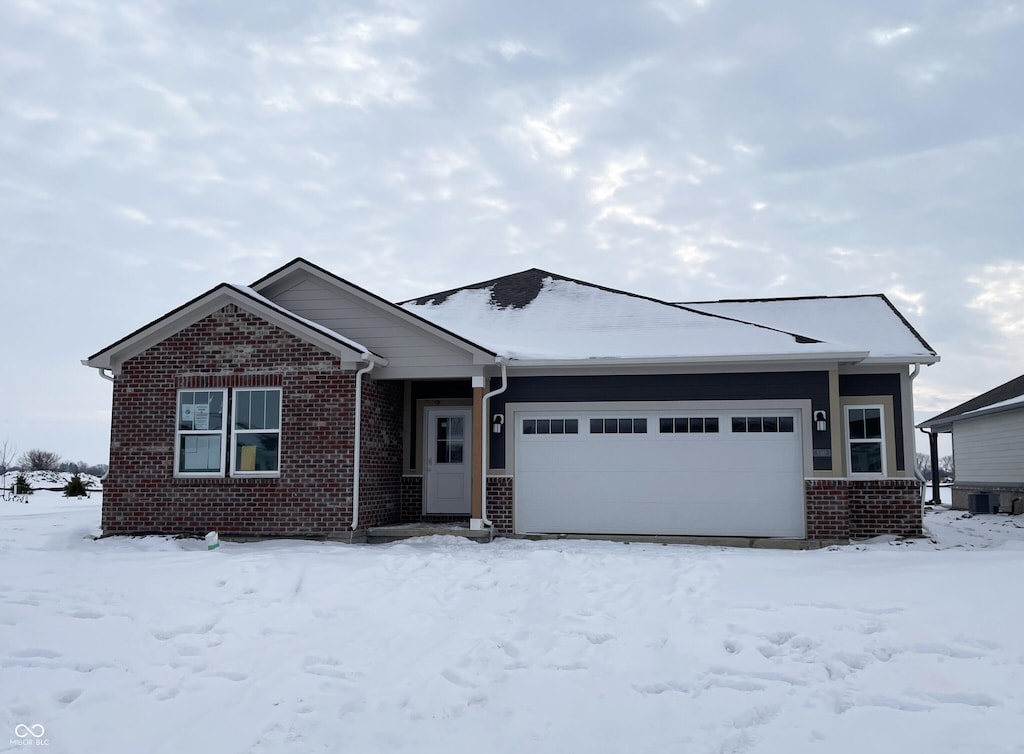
column 44, row 460
column 924, row 465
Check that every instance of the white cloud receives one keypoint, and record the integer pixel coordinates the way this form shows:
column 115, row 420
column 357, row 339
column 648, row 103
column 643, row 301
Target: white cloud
column 548, row 133
column 29, row 112
column 133, row 214
column 884, row 37
column 1002, row 296
column 615, row 175
column 909, row 302
column 926, row 74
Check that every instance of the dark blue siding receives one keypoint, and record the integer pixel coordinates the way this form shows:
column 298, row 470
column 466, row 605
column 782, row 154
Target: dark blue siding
column 667, row 387
column 433, row 390
column 879, row 384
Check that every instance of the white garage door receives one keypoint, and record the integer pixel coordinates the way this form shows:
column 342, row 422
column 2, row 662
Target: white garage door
column 703, row 472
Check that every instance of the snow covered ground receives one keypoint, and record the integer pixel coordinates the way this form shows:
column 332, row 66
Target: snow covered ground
column 440, row 645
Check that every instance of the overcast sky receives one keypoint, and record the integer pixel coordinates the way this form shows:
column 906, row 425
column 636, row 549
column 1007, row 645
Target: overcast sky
column 683, row 149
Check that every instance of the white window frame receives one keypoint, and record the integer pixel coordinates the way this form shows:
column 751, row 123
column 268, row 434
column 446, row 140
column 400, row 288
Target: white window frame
column 179, row 433
column 881, row 440
column 235, row 472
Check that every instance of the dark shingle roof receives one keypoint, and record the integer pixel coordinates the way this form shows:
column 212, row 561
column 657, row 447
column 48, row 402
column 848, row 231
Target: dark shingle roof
column 1005, row 392
column 514, row 291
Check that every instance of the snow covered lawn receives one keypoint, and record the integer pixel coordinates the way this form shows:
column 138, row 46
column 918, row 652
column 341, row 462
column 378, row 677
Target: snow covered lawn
column 441, row 645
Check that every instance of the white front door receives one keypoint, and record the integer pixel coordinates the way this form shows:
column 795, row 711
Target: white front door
column 448, row 460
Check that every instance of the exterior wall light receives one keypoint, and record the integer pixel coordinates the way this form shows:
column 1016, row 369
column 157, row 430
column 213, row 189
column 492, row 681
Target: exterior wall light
column 819, row 421
column 497, row 423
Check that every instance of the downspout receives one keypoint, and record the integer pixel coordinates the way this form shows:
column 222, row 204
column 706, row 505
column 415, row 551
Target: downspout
column 370, row 364
column 917, row 471
column 485, row 444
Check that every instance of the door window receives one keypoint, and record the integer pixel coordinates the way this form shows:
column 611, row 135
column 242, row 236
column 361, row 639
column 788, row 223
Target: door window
column 450, row 432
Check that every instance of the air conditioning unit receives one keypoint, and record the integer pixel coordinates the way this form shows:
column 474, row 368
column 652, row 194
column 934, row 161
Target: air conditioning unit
column 982, row 502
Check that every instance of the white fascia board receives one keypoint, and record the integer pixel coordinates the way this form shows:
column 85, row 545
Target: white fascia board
column 987, row 411
column 745, row 360
column 113, row 356
column 926, row 360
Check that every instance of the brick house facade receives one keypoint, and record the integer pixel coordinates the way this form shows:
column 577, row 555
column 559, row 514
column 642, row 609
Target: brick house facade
column 328, row 354
column 312, row 496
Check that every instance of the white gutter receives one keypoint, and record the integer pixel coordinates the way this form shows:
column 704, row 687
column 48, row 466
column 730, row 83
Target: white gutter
column 485, row 445
column 100, row 371
column 619, row 361
column 370, row 364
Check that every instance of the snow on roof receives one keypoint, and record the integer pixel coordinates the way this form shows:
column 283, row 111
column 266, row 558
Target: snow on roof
column 868, row 323
column 569, row 320
column 1018, row 401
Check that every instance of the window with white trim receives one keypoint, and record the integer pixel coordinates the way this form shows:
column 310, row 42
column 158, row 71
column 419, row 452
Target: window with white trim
column 199, row 450
column 865, row 432
column 204, row 443
column 256, row 439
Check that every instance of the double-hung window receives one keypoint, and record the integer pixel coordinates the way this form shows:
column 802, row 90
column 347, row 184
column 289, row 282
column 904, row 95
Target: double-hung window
column 207, row 444
column 866, row 438
column 201, row 433
column 256, row 436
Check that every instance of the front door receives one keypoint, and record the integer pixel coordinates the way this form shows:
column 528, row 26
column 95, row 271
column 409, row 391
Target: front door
column 448, row 460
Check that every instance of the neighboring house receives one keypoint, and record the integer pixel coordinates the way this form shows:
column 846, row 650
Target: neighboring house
column 988, row 448
column 305, row 406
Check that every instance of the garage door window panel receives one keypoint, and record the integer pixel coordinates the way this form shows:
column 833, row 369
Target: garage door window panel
column 618, row 426
column 688, row 425
column 551, row 426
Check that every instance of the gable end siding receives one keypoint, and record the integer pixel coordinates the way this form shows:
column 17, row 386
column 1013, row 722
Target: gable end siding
column 990, row 449
column 402, row 344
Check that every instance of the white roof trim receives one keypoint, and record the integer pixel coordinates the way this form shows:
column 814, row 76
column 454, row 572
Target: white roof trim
column 173, row 322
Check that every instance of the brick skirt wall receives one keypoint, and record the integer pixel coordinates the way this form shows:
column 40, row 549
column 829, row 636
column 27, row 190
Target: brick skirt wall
column 499, row 503
column 843, row 509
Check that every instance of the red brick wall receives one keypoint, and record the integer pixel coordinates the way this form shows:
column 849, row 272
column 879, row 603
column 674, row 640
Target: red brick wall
column 499, row 503
column 412, row 498
column 380, row 453
column 841, row 509
column 232, row 348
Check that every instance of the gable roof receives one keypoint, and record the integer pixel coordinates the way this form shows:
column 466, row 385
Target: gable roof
column 543, row 317
column 869, row 322
column 1006, row 397
column 300, row 266
column 205, row 304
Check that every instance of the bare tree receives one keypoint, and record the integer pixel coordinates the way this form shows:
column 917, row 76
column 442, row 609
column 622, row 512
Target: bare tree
column 924, row 464
column 7, row 455
column 946, row 465
column 40, row 460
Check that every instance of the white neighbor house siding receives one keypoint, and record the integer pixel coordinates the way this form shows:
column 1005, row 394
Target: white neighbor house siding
column 990, row 449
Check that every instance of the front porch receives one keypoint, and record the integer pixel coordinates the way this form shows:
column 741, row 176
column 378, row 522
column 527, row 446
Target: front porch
column 399, row 532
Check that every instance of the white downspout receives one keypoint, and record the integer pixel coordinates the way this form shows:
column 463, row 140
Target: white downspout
column 485, row 445
column 370, row 364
